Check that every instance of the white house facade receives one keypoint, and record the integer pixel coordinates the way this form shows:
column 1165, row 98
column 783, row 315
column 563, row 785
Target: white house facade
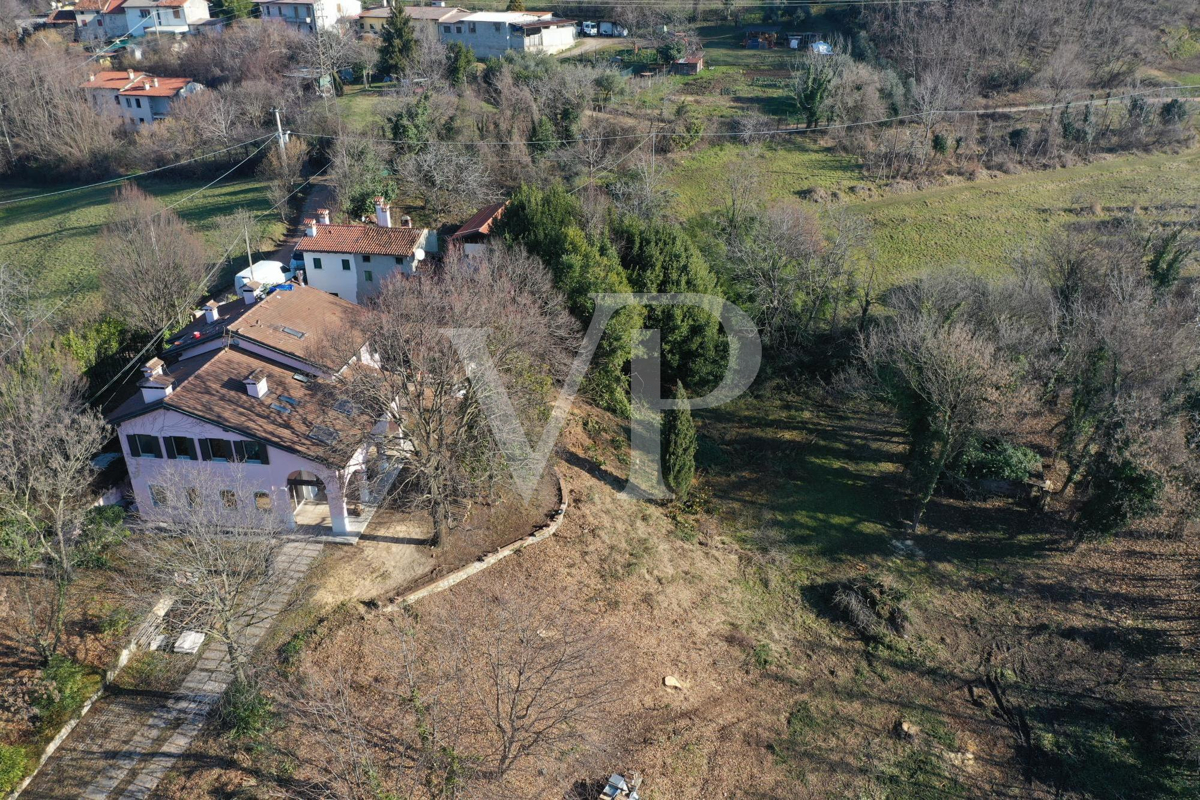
column 145, row 17
column 250, row 420
column 139, row 98
column 309, row 16
column 351, row 261
column 490, row 33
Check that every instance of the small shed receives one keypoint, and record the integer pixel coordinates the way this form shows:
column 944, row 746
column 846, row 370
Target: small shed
column 760, row 37
column 691, row 65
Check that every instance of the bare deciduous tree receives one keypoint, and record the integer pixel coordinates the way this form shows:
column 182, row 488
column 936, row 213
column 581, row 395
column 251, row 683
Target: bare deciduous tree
column 283, row 168
column 209, row 542
column 152, row 266
column 946, row 383
column 450, row 454
column 48, row 438
column 450, row 179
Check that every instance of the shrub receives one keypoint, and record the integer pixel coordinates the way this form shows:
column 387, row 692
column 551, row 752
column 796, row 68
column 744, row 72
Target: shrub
column 13, row 765
column 66, row 687
column 1120, row 492
column 246, row 713
column 995, row 459
column 103, row 528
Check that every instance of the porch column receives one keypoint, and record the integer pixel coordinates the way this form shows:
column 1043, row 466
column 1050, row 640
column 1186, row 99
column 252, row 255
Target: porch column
column 337, row 504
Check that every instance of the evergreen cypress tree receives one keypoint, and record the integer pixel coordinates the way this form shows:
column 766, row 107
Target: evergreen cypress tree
column 398, row 48
column 679, row 448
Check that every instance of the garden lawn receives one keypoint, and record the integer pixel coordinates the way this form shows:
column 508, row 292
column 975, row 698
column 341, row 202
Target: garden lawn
column 55, row 238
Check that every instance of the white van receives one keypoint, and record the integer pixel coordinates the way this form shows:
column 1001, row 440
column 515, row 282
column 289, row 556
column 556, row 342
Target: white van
column 268, row 273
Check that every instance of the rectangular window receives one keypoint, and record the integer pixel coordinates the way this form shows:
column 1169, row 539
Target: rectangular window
column 346, row 264
column 262, row 501
column 191, row 496
column 100, row 23
column 251, row 452
column 216, row 450
column 128, row 103
column 316, row 263
column 143, row 445
column 229, row 499
column 183, row 447
column 158, row 496
column 471, row 27
column 496, row 26
column 366, row 259
column 138, row 100
column 458, row 28
column 175, row 13
column 144, row 13
column 369, row 276
column 117, row 99
column 445, row 29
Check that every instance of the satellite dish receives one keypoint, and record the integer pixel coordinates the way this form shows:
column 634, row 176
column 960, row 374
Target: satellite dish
column 418, row 254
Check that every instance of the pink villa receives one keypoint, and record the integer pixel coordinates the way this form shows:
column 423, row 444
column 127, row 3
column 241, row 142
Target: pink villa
column 243, row 390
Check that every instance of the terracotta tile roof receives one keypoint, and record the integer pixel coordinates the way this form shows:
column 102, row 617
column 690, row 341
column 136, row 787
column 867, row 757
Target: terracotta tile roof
column 111, row 79
column 61, row 16
column 368, row 239
column 481, row 221
column 320, row 316
column 434, row 13
column 167, row 87
column 102, row 6
column 212, row 387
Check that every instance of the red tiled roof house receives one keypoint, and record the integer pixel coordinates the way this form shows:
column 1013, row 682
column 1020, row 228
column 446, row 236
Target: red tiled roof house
column 350, row 261
column 139, row 98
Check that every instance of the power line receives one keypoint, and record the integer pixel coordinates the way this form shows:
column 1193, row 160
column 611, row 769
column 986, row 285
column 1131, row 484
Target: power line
column 776, row 131
column 199, row 288
column 135, row 175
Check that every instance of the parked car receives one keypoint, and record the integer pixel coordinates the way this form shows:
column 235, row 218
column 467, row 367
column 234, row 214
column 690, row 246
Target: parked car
column 587, row 28
column 606, row 29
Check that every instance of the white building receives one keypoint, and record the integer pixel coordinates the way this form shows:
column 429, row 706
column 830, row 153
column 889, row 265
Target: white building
column 145, row 17
column 139, row 98
column 308, row 16
column 351, row 261
column 242, row 394
column 490, row 33
column 100, row 20
column 263, row 273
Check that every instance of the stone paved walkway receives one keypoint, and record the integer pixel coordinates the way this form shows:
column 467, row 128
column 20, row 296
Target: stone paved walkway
column 129, row 741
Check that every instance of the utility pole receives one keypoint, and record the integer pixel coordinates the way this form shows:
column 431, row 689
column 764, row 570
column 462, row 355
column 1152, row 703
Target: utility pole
column 249, row 259
column 283, row 139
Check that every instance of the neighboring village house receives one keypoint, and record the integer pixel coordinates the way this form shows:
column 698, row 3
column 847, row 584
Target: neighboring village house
column 308, row 16
column 351, row 261
column 490, row 33
column 100, row 20
column 157, row 17
column 473, row 235
column 138, row 97
column 372, row 20
column 242, row 392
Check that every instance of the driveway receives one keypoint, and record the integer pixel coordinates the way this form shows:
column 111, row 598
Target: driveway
column 321, row 196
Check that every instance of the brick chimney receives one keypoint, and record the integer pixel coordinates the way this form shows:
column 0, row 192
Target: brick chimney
column 406, row 221
column 383, row 213
column 211, row 311
column 256, row 383
column 323, row 216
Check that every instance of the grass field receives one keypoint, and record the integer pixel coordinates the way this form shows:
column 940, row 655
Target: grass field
column 977, row 225
column 54, row 238
column 700, row 180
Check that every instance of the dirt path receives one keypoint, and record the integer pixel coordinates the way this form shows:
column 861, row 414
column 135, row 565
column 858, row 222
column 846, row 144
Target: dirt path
column 321, row 196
